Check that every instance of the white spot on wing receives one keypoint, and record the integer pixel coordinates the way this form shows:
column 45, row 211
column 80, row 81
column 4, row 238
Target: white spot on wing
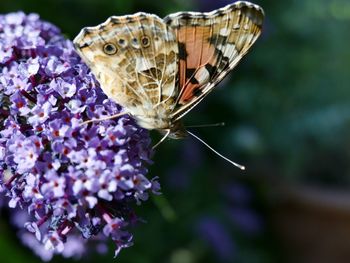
column 224, row 32
column 142, row 64
column 230, row 50
column 246, row 27
column 202, row 76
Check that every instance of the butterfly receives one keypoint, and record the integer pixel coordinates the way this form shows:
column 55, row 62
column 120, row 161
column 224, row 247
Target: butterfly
column 159, row 69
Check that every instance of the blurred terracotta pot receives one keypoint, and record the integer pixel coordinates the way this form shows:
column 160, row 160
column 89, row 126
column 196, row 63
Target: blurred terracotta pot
column 312, row 224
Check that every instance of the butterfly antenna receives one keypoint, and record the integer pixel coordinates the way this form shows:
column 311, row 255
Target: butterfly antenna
column 162, row 140
column 219, row 154
column 219, row 124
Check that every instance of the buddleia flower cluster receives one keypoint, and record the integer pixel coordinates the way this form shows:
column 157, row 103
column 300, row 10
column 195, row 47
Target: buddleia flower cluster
column 72, row 183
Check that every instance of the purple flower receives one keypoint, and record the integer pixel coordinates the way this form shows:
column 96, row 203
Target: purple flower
column 239, row 210
column 19, row 104
column 216, row 235
column 75, row 183
column 246, row 219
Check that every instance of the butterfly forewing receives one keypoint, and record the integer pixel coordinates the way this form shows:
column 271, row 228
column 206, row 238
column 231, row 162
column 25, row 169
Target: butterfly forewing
column 210, row 45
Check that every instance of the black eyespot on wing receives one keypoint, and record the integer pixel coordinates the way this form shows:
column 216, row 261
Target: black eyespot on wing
column 122, row 42
column 110, row 49
column 145, row 41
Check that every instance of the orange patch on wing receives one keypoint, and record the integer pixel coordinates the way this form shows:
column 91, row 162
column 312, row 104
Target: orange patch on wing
column 198, row 48
column 182, row 73
column 188, row 93
column 199, row 53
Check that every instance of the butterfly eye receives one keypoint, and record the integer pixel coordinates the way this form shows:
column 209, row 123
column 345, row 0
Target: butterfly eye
column 110, row 49
column 145, row 41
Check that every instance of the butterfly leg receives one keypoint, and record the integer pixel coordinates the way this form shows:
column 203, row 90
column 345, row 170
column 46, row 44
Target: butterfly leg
column 162, row 140
column 105, row 118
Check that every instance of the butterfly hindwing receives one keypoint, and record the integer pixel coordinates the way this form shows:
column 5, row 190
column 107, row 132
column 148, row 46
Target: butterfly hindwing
column 142, row 72
column 210, row 45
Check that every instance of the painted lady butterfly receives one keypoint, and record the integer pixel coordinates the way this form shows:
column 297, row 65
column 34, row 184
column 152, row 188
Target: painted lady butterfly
column 159, row 69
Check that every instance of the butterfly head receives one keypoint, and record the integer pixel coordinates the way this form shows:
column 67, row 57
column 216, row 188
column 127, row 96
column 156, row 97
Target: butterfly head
column 176, row 131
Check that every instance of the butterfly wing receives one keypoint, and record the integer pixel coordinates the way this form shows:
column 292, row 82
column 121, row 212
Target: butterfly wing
column 210, row 45
column 134, row 58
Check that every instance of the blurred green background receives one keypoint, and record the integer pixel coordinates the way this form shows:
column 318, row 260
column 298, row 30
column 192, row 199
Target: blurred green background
column 287, row 112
